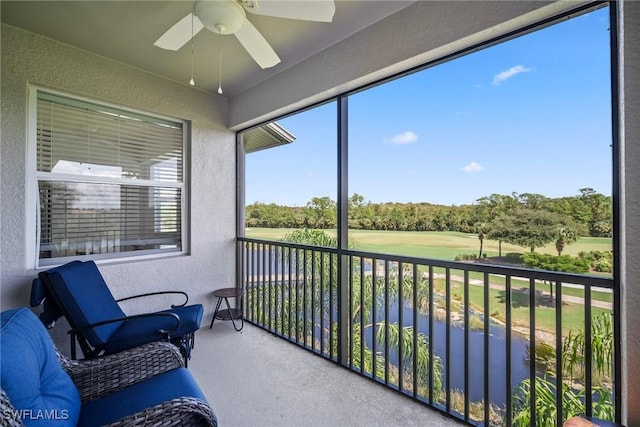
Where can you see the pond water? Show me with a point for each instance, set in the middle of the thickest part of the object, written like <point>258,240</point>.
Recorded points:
<point>498,375</point>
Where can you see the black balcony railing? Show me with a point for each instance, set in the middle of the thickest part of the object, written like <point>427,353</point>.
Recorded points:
<point>469,339</point>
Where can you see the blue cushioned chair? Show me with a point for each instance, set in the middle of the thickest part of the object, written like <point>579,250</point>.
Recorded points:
<point>78,291</point>
<point>144,386</point>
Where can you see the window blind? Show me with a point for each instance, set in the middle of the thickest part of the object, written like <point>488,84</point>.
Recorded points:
<point>110,181</point>
<point>83,133</point>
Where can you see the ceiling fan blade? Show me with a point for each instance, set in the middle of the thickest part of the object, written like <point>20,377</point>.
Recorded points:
<point>256,45</point>
<point>180,33</point>
<point>306,10</point>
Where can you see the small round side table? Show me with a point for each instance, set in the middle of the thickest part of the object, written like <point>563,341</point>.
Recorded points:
<point>228,313</point>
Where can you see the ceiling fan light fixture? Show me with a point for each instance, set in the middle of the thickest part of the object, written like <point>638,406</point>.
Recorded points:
<point>222,17</point>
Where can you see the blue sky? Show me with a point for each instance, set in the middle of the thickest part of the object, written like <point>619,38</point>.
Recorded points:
<point>529,115</point>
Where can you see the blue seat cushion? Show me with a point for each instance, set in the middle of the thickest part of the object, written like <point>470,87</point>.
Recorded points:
<point>40,296</point>
<point>146,394</point>
<point>31,375</point>
<point>81,290</point>
<point>190,318</point>
<point>142,330</point>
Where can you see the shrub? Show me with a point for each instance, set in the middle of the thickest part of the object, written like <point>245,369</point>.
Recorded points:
<point>514,257</point>
<point>603,266</point>
<point>600,261</point>
<point>549,262</point>
<point>466,257</point>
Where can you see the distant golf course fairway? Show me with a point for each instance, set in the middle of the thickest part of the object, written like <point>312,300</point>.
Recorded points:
<point>446,245</point>
<point>434,244</point>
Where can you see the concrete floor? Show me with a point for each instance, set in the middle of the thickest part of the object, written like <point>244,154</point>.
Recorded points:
<point>252,378</point>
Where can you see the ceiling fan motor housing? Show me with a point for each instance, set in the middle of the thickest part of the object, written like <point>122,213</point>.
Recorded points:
<point>229,17</point>
<point>223,17</point>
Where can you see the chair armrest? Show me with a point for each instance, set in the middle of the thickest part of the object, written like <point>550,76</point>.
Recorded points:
<point>166,332</point>
<point>103,375</point>
<point>183,412</point>
<point>186,297</point>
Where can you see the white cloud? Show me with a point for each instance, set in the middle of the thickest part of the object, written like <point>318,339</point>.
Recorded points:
<point>507,74</point>
<point>472,167</point>
<point>403,138</point>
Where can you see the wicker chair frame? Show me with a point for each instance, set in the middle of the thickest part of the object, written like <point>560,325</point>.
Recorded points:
<point>7,410</point>
<point>98,377</point>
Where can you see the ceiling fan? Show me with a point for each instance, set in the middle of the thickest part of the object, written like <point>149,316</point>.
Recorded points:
<point>228,17</point>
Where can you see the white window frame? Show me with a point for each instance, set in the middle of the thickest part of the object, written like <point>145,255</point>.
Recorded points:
<point>32,176</point>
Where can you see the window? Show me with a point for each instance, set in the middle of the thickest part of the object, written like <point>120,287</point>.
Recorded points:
<point>445,161</point>
<point>110,181</point>
<point>441,159</point>
<point>291,175</point>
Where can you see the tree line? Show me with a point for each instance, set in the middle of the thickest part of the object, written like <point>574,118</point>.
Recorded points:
<point>586,214</point>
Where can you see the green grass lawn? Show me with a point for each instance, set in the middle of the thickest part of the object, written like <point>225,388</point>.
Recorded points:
<point>434,244</point>
<point>572,313</point>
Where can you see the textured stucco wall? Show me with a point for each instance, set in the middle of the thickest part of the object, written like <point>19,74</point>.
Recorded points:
<point>630,136</point>
<point>29,58</point>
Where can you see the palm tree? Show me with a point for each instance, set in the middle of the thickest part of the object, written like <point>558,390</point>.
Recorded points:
<point>367,297</point>
<point>481,227</point>
<point>364,324</point>
<point>573,362</point>
<point>560,245</point>
<point>566,235</point>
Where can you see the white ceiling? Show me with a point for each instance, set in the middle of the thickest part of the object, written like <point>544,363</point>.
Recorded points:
<point>125,31</point>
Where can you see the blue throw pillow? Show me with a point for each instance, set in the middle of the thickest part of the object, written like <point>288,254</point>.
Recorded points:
<point>39,389</point>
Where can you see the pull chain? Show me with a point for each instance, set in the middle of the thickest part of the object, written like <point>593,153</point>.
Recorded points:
<point>192,82</point>
<point>220,63</point>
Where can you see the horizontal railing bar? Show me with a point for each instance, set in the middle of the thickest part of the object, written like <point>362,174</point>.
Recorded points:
<point>289,244</point>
